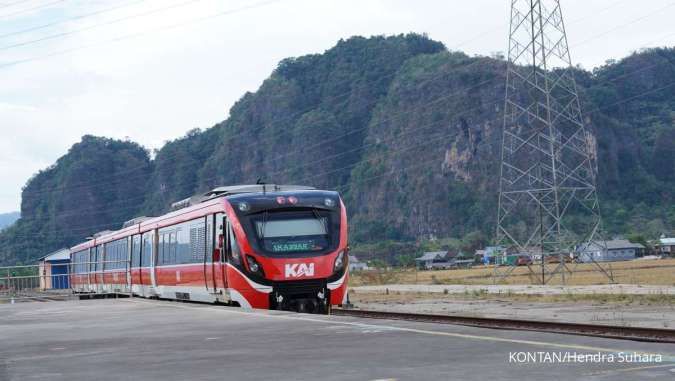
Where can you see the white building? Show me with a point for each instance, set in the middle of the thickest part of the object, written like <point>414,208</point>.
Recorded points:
<point>356,265</point>
<point>666,246</point>
<point>54,270</point>
<point>614,250</point>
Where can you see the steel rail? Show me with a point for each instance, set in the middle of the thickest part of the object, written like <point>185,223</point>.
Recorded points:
<point>654,335</point>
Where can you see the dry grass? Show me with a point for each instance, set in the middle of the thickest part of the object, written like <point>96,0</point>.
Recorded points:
<point>647,272</point>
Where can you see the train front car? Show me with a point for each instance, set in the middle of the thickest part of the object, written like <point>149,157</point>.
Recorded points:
<point>287,250</point>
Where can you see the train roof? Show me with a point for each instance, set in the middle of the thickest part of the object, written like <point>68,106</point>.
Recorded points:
<point>256,188</point>
<point>212,201</point>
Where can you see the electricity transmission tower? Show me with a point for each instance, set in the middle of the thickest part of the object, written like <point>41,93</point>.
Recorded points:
<point>548,204</point>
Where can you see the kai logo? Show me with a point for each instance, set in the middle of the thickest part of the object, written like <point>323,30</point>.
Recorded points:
<point>295,270</point>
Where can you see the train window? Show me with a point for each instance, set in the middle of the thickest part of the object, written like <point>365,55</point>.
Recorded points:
<point>115,255</point>
<point>109,258</point>
<point>174,246</point>
<point>167,248</point>
<point>92,259</point>
<point>136,251</point>
<point>146,251</point>
<point>160,250</point>
<point>183,253</point>
<point>79,265</point>
<point>233,248</point>
<point>293,232</point>
<point>82,259</point>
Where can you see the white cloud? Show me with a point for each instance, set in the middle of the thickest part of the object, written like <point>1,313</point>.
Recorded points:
<point>158,85</point>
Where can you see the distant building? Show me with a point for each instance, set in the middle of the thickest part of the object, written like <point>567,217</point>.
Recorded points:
<point>356,265</point>
<point>614,250</point>
<point>488,254</point>
<point>666,246</point>
<point>54,270</point>
<point>441,260</point>
<point>432,259</point>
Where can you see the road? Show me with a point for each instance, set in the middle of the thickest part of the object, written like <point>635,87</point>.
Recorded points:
<point>138,339</point>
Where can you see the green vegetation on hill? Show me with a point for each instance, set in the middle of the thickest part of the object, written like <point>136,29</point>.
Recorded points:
<point>407,131</point>
<point>7,219</point>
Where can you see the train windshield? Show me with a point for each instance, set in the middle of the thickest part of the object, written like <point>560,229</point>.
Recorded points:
<point>296,232</point>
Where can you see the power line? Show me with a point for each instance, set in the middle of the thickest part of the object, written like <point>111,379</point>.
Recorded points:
<point>633,21</point>
<point>232,137</point>
<point>479,145</point>
<point>266,137</point>
<point>310,108</point>
<point>140,34</point>
<point>143,167</point>
<point>95,26</point>
<point>79,17</point>
<point>389,119</point>
<point>5,5</point>
<point>10,15</point>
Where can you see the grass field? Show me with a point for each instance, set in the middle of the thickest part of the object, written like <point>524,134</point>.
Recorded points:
<point>644,272</point>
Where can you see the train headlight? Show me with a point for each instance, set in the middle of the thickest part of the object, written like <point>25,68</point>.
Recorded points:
<point>329,202</point>
<point>244,206</point>
<point>339,261</point>
<point>253,265</point>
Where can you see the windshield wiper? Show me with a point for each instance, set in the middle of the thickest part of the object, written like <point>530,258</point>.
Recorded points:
<point>321,220</point>
<point>264,222</point>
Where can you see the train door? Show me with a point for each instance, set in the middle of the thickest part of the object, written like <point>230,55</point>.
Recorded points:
<point>88,265</point>
<point>221,250</point>
<point>100,267</point>
<point>146,250</point>
<point>129,261</point>
<point>95,253</point>
<point>214,260</point>
<point>153,261</point>
<point>145,262</point>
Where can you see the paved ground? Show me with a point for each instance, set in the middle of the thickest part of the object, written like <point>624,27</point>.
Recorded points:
<point>158,340</point>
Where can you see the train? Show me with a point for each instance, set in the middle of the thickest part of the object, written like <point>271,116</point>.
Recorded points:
<point>262,246</point>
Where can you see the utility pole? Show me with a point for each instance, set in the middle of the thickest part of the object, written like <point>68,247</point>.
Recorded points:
<point>547,195</point>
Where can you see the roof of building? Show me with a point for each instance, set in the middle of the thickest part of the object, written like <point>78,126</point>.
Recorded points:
<point>353,259</point>
<point>431,255</point>
<point>617,244</point>
<point>57,255</point>
<point>667,241</point>
<point>623,244</point>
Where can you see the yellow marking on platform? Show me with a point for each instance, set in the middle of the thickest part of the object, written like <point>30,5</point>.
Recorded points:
<point>265,313</point>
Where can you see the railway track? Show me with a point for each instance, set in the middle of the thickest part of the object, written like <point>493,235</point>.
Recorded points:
<point>655,335</point>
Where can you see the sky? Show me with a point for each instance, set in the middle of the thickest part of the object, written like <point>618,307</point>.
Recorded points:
<point>150,70</point>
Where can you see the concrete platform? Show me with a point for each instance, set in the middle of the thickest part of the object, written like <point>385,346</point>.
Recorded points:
<point>534,289</point>
<point>136,339</point>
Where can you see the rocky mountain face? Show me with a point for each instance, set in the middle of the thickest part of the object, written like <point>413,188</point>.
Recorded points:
<point>407,131</point>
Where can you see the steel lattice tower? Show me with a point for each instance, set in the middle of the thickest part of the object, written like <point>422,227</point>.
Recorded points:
<point>548,203</point>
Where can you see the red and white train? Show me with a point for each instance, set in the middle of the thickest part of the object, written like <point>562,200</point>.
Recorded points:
<point>256,246</point>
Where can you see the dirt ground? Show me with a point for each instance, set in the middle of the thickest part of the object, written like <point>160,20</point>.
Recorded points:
<point>643,310</point>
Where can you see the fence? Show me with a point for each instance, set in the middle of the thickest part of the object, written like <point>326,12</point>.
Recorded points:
<point>52,281</point>
<point>642,272</point>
